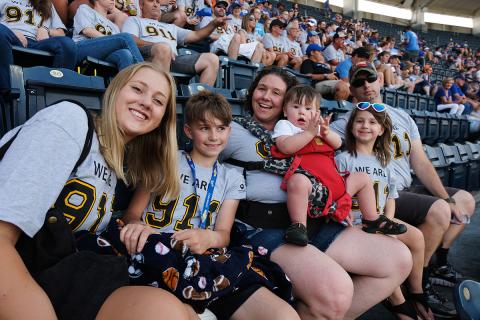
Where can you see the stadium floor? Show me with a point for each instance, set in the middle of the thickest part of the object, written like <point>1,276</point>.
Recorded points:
<point>464,256</point>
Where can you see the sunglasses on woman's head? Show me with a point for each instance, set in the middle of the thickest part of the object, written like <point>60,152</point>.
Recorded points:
<point>378,107</point>
<point>251,18</point>
<point>357,83</point>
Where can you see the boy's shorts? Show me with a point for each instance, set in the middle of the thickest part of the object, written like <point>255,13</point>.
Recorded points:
<point>412,204</point>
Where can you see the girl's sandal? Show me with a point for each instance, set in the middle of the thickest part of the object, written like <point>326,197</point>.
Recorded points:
<point>383,225</point>
<point>404,308</point>
<point>421,299</point>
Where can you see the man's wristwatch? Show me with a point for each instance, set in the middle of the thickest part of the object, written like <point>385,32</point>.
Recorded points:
<point>450,200</point>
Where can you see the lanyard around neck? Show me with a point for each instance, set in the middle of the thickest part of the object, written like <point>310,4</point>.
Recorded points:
<point>210,188</point>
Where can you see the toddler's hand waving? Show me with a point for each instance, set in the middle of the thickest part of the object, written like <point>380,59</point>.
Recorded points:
<point>324,125</point>
<point>312,123</point>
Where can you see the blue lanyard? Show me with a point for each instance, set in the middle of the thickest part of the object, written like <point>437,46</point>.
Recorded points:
<point>209,195</point>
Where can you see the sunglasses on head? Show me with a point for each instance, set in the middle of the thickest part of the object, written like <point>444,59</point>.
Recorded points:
<point>251,18</point>
<point>357,83</point>
<point>378,107</point>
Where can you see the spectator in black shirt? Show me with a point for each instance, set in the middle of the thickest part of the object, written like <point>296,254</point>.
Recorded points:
<point>325,81</point>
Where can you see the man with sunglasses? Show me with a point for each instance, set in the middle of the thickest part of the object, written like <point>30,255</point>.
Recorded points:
<point>440,212</point>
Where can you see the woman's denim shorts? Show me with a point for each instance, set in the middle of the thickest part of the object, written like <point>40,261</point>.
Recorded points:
<point>271,239</point>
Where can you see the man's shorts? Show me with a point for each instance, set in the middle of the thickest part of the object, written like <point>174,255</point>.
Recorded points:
<point>412,204</point>
<point>326,87</point>
<point>182,64</point>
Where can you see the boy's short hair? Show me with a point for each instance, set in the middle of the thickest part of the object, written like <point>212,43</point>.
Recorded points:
<point>301,92</point>
<point>206,103</point>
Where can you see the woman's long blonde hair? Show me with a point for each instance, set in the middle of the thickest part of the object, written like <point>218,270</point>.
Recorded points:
<point>152,157</point>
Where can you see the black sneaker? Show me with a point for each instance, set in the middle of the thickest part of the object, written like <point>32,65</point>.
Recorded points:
<point>297,234</point>
<point>446,276</point>
<point>441,307</point>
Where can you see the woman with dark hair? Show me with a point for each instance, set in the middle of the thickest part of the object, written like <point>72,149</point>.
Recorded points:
<point>100,38</point>
<point>320,271</point>
<point>36,25</point>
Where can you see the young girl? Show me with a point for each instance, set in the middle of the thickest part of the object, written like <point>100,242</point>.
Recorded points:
<point>37,172</point>
<point>97,36</point>
<point>36,25</point>
<point>181,231</point>
<point>306,135</point>
<point>368,138</point>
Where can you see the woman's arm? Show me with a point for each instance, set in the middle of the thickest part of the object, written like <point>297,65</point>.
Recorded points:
<point>92,33</point>
<point>135,232</point>
<point>16,284</point>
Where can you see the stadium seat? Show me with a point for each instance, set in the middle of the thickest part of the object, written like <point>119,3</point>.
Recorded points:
<point>435,155</point>
<point>182,139</point>
<point>473,178</point>
<point>473,150</point>
<point>422,102</point>
<point>329,106</point>
<point>455,123</point>
<point>91,66</point>
<point>444,124</point>
<point>39,87</point>
<point>238,75</point>
<point>433,127</point>
<point>466,296</point>
<point>390,97</point>
<point>235,103</point>
<point>401,101</point>
<point>464,128</point>
<point>431,105</point>
<point>301,78</point>
<point>27,57</point>
<point>420,119</point>
<point>458,170</point>
<point>412,101</point>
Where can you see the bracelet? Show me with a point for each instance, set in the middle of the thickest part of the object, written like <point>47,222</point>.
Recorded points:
<point>46,28</point>
<point>450,200</point>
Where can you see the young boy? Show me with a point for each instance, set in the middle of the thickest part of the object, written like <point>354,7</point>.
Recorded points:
<point>180,244</point>
<point>306,136</point>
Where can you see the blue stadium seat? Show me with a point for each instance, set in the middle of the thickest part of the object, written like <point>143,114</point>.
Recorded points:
<point>464,128</point>
<point>431,105</point>
<point>444,124</point>
<point>390,97</point>
<point>473,150</point>
<point>473,178</point>
<point>182,139</point>
<point>435,155</point>
<point>455,123</point>
<point>238,74</point>
<point>91,66</point>
<point>401,101</point>
<point>422,102</point>
<point>39,87</point>
<point>236,103</point>
<point>466,296</point>
<point>27,57</point>
<point>433,127</point>
<point>458,170</point>
<point>420,119</point>
<point>301,78</point>
<point>412,101</point>
<point>329,106</point>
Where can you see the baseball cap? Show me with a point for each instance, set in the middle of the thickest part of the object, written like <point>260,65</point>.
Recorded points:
<point>459,76</point>
<point>312,34</point>
<point>339,35</point>
<point>278,23</point>
<point>313,47</point>
<point>260,1</point>
<point>362,67</point>
<point>221,2</point>
<point>361,52</point>
<point>312,22</point>
<point>235,5</point>
<point>204,12</point>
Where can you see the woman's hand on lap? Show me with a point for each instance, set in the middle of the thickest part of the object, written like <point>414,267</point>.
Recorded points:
<point>197,240</point>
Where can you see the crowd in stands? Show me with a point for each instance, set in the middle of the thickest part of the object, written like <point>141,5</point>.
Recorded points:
<point>334,269</point>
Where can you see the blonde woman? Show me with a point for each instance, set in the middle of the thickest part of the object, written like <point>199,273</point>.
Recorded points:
<point>37,168</point>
